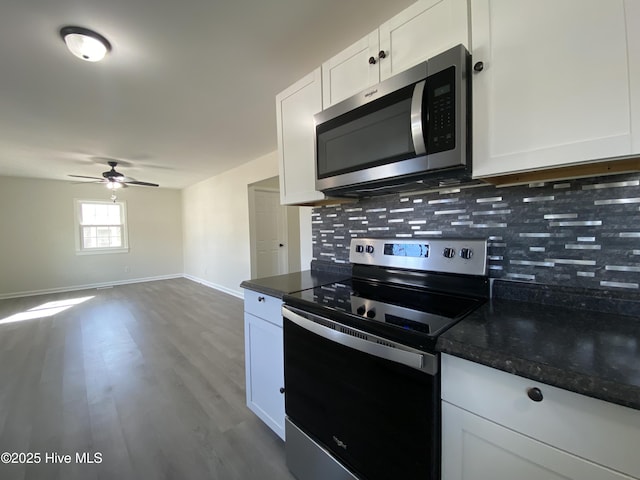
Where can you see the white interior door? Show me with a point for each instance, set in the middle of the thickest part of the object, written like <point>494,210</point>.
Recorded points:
<point>271,234</point>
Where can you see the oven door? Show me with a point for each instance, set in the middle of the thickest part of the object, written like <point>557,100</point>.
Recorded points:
<point>370,404</point>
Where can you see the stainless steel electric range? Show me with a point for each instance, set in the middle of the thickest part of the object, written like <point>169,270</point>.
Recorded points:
<point>362,381</point>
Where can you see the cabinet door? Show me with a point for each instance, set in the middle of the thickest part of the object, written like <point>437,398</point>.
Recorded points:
<point>632,13</point>
<point>555,85</point>
<point>295,108</point>
<point>476,449</point>
<point>423,30</point>
<point>350,71</point>
<point>264,368</point>
<point>603,432</point>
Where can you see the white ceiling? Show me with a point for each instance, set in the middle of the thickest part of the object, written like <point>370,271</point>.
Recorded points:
<point>187,92</point>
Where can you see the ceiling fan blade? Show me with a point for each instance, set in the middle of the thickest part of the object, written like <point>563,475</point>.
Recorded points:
<point>86,183</point>
<point>144,184</point>
<point>84,176</point>
<point>123,179</point>
<point>114,177</point>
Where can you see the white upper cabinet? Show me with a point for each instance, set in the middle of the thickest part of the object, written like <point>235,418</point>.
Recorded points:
<point>426,28</point>
<point>351,71</point>
<point>295,108</point>
<point>557,87</point>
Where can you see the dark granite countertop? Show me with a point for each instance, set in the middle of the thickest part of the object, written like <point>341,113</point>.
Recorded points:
<point>280,285</point>
<point>591,352</point>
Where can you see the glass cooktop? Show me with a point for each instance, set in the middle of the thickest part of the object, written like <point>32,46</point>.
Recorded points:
<point>411,315</point>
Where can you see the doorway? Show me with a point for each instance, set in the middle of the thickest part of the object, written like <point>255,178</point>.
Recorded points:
<point>274,231</point>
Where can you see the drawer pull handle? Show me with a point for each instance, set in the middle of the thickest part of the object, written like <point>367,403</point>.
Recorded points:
<point>261,299</point>
<point>535,394</point>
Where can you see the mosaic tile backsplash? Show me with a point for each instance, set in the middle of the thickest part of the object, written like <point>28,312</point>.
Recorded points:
<point>583,233</point>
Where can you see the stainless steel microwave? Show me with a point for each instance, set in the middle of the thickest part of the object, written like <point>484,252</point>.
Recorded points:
<point>410,131</point>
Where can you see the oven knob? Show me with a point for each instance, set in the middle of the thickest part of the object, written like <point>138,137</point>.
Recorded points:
<point>360,310</point>
<point>371,313</point>
<point>449,252</point>
<point>466,253</point>
<point>369,248</point>
<point>359,249</point>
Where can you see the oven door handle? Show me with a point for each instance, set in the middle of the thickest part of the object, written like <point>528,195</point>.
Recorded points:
<point>364,342</point>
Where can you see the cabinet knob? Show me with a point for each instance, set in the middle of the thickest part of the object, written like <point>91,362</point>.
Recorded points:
<point>372,60</point>
<point>382,54</point>
<point>479,66</point>
<point>281,244</point>
<point>535,394</point>
<point>281,389</point>
<point>261,299</point>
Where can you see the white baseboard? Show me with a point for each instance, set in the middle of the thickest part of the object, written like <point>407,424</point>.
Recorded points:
<point>235,293</point>
<point>89,286</point>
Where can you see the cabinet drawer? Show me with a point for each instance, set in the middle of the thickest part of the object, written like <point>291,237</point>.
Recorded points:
<point>263,306</point>
<point>602,432</point>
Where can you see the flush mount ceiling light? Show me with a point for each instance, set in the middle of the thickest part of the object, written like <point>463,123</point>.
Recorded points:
<point>85,44</point>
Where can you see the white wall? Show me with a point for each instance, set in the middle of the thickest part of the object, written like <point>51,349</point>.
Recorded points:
<point>215,216</point>
<point>37,236</point>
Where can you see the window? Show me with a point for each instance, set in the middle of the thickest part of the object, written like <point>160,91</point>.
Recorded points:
<point>101,227</point>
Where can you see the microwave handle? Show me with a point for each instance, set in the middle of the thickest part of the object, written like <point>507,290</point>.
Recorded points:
<point>416,118</point>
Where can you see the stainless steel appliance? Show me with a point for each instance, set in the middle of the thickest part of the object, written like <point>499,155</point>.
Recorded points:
<point>362,381</point>
<point>410,130</point>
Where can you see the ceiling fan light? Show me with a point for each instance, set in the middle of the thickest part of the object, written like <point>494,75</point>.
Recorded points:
<point>113,185</point>
<point>85,44</point>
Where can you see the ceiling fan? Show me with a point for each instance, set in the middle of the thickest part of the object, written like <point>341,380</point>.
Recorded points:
<point>114,179</point>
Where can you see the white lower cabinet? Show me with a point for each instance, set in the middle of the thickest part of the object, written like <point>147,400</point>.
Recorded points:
<point>474,448</point>
<point>264,363</point>
<point>493,430</point>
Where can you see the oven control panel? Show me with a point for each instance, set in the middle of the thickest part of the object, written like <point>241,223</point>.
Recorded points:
<point>443,255</point>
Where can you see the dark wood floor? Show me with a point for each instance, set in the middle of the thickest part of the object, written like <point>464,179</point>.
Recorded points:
<point>149,375</point>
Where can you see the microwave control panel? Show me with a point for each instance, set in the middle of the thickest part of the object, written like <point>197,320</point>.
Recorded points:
<point>441,108</point>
